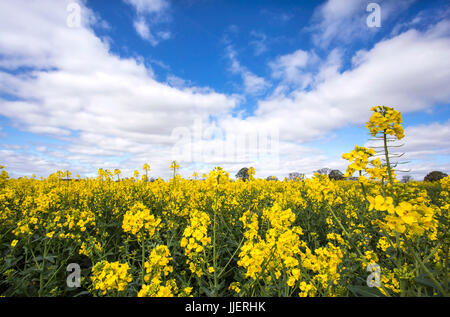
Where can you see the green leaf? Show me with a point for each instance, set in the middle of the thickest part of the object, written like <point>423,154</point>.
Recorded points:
<point>424,281</point>
<point>50,258</point>
<point>365,291</point>
<point>11,261</point>
<point>81,293</point>
<point>208,292</point>
<point>427,282</point>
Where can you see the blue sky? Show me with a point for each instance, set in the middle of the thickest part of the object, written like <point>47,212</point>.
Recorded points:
<point>115,84</point>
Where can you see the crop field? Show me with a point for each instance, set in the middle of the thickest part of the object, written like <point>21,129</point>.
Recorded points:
<point>216,236</point>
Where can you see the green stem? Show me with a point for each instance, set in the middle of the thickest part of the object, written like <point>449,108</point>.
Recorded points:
<point>433,251</point>
<point>445,265</point>
<point>214,247</point>
<point>363,187</point>
<point>231,258</point>
<point>41,275</point>
<point>345,231</point>
<point>58,270</point>
<point>143,262</point>
<point>429,274</point>
<point>386,153</point>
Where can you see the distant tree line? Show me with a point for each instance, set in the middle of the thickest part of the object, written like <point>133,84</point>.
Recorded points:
<point>335,174</point>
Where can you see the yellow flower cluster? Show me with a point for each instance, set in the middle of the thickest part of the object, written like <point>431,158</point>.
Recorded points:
<point>445,183</point>
<point>88,247</point>
<point>157,268</point>
<point>338,238</point>
<point>383,244</point>
<point>359,158</point>
<point>108,276</point>
<point>158,289</point>
<point>325,263</point>
<point>101,174</point>
<point>307,290</point>
<point>388,282</point>
<point>235,286</point>
<point>278,252</point>
<point>3,175</point>
<point>218,178</point>
<point>380,203</point>
<point>158,263</point>
<point>321,189</point>
<point>387,120</point>
<point>140,222</point>
<point>415,219</point>
<point>378,172</point>
<point>444,196</point>
<point>251,173</point>
<point>174,165</point>
<point>195,239</point>
<point>412,219</point>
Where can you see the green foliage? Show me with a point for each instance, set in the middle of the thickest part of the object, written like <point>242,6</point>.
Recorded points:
<point>434,176</point>
<point>243,174</point>
<point>336,175</point>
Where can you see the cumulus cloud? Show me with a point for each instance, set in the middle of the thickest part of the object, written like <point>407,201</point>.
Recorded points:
<point>422,150</point>
<point>109,111</point>
<point>421,142</point>
<point>102,104</point>
<point>292,68</point>
<point>409,72</point>
<point>427,140</point>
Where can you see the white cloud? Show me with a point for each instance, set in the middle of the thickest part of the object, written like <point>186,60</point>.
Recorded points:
<point>164,35</point>
<point>149,12</point>
<point>303,70</point>
<point>422,19</point>
<point>253,84</point>
<point>427,140</point>
<point>336,20</point>
<point>178,82</point>
<point>330,68</point>
<point>142,29</point>
<point>102,105</point>
<point>408,72</point>
<point>291,68</point>
<point>339,22</point>
<point>258,42</point>
<point>112,112</point>
<point>421,151</point>
<point>148,6</point>
<point>422,141</point>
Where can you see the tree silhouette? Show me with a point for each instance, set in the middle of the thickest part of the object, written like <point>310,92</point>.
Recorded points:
<point>243,174</point>
<point>336,175</point>
<point>434,176</point>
